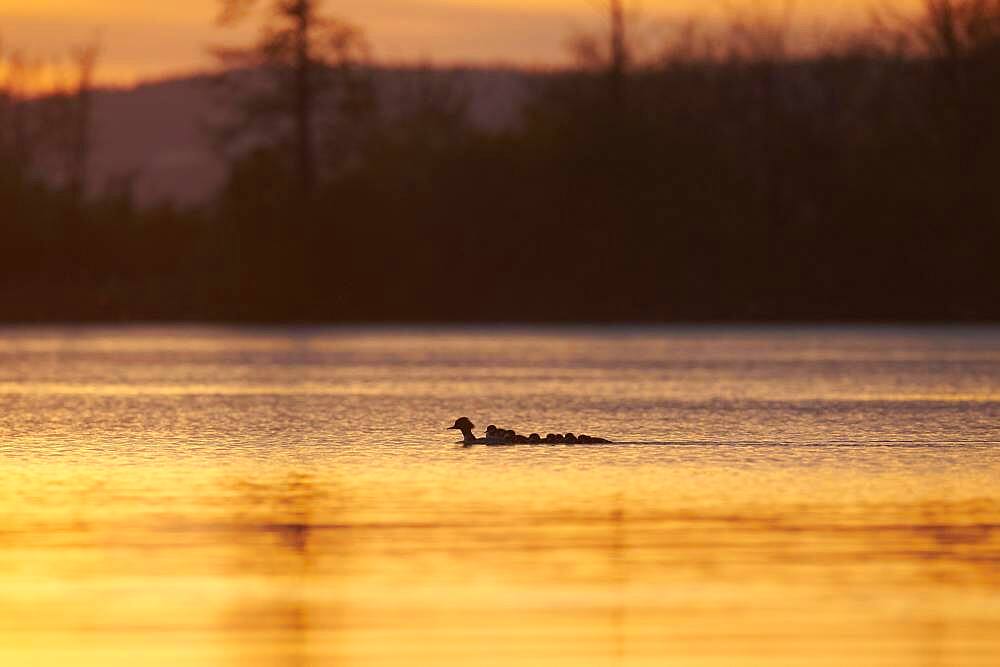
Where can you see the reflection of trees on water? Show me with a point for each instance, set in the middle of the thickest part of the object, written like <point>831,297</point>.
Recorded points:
<point>277,615</point>
<point>618,577</point>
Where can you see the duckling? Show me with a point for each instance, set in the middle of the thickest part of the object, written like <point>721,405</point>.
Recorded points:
<point>569,439</point>
<point>534,438</point>
<point>499,436</point>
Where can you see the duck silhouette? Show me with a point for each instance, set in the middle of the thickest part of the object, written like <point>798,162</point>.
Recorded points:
<point>500,436</point>
<point>494,435</point>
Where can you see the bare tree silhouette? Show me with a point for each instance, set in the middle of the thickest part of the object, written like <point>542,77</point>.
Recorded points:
<point>81,123</point>
<point>301,47</point>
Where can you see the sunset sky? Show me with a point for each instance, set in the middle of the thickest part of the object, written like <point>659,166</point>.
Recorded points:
<point>144,39</point>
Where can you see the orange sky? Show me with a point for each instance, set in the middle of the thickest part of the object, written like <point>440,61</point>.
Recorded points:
<point>152,38</point>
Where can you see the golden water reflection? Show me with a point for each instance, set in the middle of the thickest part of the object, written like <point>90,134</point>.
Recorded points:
<point>370,566</point>
<point>280,497</point>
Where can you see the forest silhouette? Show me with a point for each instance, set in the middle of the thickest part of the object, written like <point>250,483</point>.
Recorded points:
<point>725,179</point>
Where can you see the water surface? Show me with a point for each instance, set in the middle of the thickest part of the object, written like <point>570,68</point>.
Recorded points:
<point>265,497</point>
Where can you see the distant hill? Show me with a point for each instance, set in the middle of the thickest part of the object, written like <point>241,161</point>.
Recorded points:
<point>157,134</point>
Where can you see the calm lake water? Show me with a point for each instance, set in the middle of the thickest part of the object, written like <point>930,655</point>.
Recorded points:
<point>245,497</point>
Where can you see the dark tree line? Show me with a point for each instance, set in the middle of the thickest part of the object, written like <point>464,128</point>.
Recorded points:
<point>731,182</point>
